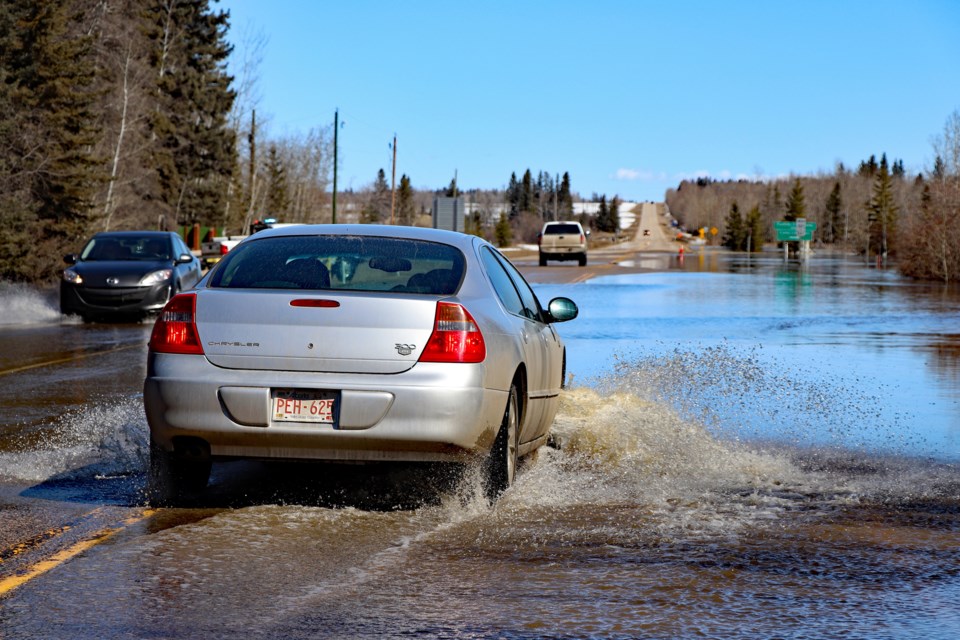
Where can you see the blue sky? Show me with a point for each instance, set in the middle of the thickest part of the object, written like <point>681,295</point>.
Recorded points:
<point>628,97</point>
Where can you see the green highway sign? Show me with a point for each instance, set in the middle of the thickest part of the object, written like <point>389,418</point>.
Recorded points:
<point>794,231</point>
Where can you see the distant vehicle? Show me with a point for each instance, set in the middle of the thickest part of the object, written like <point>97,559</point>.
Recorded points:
<point>562,241</point>
<point>126,273</point>
<point>359,343</point>
<point>213,250</point>
<point>646,232</point>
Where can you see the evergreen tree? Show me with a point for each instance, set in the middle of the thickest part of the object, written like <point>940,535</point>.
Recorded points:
<point>526,193</point>
<point>605,220</point>
<point>897,171</point>
<point>939,169</point>
<point>565,198</point>
<point>17,213</point>
<point>796,208</point>
<point>869,168</point>
<point>377,210</point>
<point>56,95</point>
<point>405,210</point>
<point>754,230</point>
<point>772,204</point>
<point>278,198</point>
<point>831,231</point>
<point>614,214</point>
<point>513,195</point>
<point>735,235</point>
<point>49,169</point>
<point>452,191</point>
<point>503,232</point>
<point>195,154</point>
<point>882,211</point>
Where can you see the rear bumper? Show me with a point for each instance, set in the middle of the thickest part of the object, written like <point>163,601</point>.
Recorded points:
<point>433,412</point>
<point>563,253</point>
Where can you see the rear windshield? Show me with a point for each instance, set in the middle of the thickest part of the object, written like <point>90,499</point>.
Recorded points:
<point>347,263</point>
<point>556,229</point>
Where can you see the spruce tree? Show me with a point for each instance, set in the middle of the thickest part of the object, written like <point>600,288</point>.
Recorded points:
<point>513,195</point>
<point>278,197</point>
<point>565,198</point>
<point>605,220</point>
<point>503,233</point>
<point>17,213</point>
<point>796,208</point>
<point>381,197</point>
<point>831,231</point>
<point>195,151</point>
<point>405,207</point>
<point>754,230</point>
<point>526,193</point>
<point>614,214</point>
<point>734,237</point>
<point>55,95</point>
<point>882,210</point>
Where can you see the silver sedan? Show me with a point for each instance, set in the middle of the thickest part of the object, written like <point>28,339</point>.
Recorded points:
<point>353,343</point>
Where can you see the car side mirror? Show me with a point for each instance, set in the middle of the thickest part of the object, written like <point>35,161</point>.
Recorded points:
<point>70,258</point>
<point>562,309</point>
<point>185,258</point>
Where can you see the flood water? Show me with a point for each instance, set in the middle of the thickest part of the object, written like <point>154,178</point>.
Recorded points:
<point>747,449</point>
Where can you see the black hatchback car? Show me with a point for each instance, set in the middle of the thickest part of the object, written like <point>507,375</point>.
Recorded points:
<point>126,273</point>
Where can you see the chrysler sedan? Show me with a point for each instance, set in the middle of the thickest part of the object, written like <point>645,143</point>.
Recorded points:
<point>359,343</point>
<point>126,274</point>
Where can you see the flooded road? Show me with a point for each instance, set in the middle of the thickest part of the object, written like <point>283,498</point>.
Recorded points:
<point>747,450</point>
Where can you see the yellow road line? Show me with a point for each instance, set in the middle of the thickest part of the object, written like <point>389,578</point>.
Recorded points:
<point>81,356</point>
<point>9,584</point>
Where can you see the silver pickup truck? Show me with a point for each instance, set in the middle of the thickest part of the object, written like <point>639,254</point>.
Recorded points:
<point>562,241</point>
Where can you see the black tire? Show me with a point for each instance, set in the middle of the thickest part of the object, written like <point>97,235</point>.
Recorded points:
<point>583,260</point>
<point>175,478</point>
<point>543,260</point>
<point>501,465</point>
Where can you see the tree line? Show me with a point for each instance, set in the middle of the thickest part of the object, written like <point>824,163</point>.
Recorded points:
<point>113,114</point>
<point>875,210</point>
<point>121,114</point>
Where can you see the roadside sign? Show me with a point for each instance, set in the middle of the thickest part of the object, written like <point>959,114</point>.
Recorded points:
<point>794,231</point>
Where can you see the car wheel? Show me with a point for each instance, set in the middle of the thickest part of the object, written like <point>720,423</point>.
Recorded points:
<point>583,260</point>
<point>543,261</point>
<point>173,477</point>
<point>501,467</point>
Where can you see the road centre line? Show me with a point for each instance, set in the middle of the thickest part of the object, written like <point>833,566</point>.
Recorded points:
<point>9,584</point>
<point>81,356</point>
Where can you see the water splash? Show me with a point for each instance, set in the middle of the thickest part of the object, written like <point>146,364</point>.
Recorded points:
<point>743,393</point>
<point>105,438</point>
<point>25,305</point>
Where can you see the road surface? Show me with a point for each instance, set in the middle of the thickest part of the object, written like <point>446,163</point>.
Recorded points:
<point>73,390</point>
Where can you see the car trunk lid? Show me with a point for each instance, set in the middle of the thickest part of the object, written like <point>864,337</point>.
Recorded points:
<point>320,331</point>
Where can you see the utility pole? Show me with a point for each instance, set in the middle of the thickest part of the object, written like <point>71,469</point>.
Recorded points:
<point>393,180</point>
<point>336,126</point>
<point>251,172</point>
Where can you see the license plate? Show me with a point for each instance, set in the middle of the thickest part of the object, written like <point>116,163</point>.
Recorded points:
<point>303,405</point>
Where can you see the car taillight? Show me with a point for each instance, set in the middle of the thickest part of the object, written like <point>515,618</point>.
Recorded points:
<point>456,337</point>
<point>176,328</point>
<point>224,249</point>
